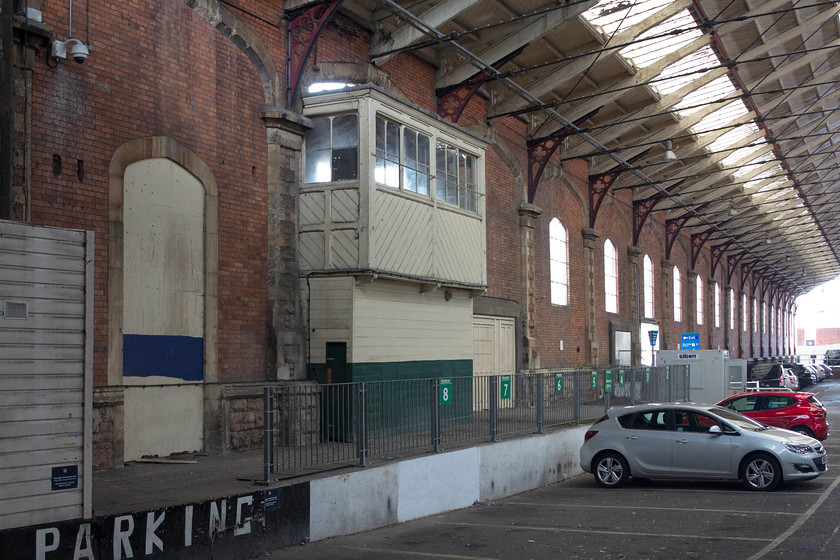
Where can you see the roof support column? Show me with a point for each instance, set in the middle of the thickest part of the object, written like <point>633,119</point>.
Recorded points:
<point>636,306</point>
<point>528,214</point>
<point>590,250</point>
<point>666,295</point>
<point>287,343</point>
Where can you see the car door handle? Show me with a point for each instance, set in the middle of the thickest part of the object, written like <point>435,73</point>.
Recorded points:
<point>682,441</point>
<point>632,437</point>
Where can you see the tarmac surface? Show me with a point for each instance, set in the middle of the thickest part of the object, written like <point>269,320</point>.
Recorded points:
<point>577,519</point>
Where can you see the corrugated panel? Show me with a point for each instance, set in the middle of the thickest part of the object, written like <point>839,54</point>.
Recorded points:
<point>42,371</point>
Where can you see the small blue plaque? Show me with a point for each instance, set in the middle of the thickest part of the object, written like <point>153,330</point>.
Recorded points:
<point>65,478</point>
<point>271,499</point>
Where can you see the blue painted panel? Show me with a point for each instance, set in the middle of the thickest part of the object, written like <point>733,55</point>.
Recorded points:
<point>181,357</point>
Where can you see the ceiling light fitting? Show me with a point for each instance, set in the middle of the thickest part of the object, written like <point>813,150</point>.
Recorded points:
<point>669,156</point>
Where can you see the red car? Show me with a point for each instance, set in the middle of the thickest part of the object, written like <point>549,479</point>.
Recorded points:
<point>800,412</point>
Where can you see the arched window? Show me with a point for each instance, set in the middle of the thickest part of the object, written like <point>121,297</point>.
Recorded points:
<point>677,295</point>
<point>755,315</point>
<point>648,287</point>
<point>731,309</point>
<point>558,249</point>
<point>744,312</point>
<point>610,277</point>
<point>699,301</point>
<point>717,305</point>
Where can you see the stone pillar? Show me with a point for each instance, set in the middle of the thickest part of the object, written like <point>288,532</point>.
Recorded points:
<point>727,333</point>
<point>287,345</point>
<point>667,299</point>
<point>691,309</point>
<point>528,214</point>
<point>740,322</point>
<point>762,326</point>
<point>590,250</point>
<point>636,305</point>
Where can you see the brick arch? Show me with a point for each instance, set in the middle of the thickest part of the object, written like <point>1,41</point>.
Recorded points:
<point>132,152</point>
<point>224,21</point>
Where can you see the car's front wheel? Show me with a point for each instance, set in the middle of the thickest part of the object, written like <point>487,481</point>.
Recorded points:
<point>804,430</point>
<point>611,470</point>
<point>761,472</point>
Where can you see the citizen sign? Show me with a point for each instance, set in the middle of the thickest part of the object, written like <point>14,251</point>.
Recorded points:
<point>688,356</point>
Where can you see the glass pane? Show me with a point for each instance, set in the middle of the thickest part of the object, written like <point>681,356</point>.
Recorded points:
<point>345,131</point>
<point>318,166</point>
<point>423,150</point>
<point>393,141</point>
<point>392,174</point>
<point>423,184</point>
<point>345,162</point>
<point>318,138</point>
<point>379,171</point>
<point>409,180</point>
<point>380,136</point>
<point>410,145</point>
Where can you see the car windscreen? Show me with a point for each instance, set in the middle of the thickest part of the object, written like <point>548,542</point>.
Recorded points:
<point>738,420</point>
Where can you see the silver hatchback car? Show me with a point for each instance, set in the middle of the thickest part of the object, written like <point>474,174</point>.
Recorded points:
<point>683,440</point>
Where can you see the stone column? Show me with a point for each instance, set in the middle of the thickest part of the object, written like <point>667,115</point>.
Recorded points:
<point>287,345</point>
<point>762,345</point>
<point>667,299</point>
<point>636,305</point>
<point>528,214</point>
<point>739,319</point>
<point>590,246</point>
<point>691,308</point>
<point>727,334</point>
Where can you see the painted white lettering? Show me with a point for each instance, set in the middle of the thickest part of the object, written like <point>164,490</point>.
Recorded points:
<point>41,545</point>
<point>83,546</point>
<point>217,522</point>
<point>188,514</point>
<point>152,539</point>
<point>243,527</point>
<point>121,535</point>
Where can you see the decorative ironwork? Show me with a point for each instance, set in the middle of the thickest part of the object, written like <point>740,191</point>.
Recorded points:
<point>717,253</point>
<point>453,100</point>
<point>746,270</point>
<point>540,151</point>
<point>732,263</point>
<point>672,231</point>
<point>302,31</point>
<point>643,208</point>
<point>697,242</point>
<point>599,186</point>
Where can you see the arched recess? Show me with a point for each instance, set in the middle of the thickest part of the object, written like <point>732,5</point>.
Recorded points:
<point>224,21</point>
<point>168,184</point>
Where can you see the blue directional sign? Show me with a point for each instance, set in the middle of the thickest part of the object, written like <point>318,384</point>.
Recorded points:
<point>653,336</point>
<point>690,341</point>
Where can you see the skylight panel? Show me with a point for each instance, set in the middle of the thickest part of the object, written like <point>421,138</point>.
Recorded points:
<point>715,90</point>
<point>611,15</point>
<point>685,70</point>
<point>646,50</point>
<point>723,117</point>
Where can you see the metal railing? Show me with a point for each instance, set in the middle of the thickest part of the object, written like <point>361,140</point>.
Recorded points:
<point>311,427</point>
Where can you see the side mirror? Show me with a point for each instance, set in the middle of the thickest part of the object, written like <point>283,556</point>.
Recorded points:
<point>715,430</point>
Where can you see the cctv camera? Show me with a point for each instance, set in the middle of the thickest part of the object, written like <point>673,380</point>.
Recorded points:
<point>79,52</point>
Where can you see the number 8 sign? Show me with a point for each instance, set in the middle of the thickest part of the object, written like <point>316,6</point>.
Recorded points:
<point>445,391</point>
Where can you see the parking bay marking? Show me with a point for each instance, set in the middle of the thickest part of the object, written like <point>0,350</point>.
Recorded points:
<point>707,510</point>
<point>589,531</point>
<point>799,522</point>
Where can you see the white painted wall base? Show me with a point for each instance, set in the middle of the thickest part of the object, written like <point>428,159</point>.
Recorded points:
<point>398,492</point>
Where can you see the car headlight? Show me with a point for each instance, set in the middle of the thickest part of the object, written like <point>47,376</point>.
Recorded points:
<point>801,449</point>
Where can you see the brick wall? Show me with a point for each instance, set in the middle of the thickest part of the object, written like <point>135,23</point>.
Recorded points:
<point>158,69</point>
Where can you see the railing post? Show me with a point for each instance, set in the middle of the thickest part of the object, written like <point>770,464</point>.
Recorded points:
<point>577,396</point>
<point>494,407</point>
<point>361,424</point>
<point>539,379</point>
<point>268,435</point>
<point>606,392</point>
<point>434,414</point>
